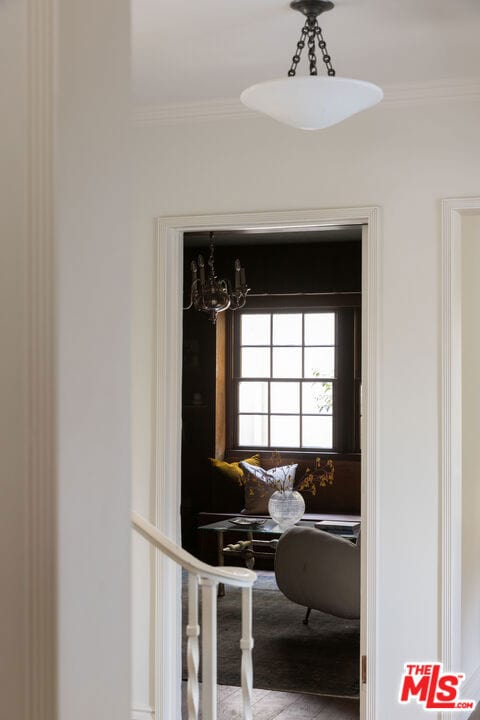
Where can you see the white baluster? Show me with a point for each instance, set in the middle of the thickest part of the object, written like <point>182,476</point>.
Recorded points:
<point>208,578</point>
<point>209,649</point>
<point>193,633</point>
<point>246,645</point>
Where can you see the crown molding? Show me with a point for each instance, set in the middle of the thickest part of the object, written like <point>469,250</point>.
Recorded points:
<point>211,109</point>
<point>413,93</point>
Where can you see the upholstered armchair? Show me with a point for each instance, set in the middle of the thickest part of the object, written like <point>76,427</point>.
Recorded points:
<point>320,571</point>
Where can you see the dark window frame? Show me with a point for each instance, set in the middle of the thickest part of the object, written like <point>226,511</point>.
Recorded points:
<point>346,422</point>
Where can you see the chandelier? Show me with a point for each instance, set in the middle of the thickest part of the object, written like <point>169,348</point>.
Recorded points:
<point>310,102</point>
<point>211,295</point>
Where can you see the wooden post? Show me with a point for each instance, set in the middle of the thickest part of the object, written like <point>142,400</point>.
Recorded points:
<point>193,633</point>
<point>209,649</point>
<point>246,645</point>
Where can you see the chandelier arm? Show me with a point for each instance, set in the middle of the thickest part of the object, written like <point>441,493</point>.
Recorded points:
<point>239,298</point>
<point>202,305</point>
<point>232,294</point>
<point>193,291</point>
<point>241,302</point>
<point>190,305</point>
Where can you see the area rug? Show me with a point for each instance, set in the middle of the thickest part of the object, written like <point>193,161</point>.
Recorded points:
<point>320,658</point>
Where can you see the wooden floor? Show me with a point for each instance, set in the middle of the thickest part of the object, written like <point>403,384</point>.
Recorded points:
<point>270,705</point>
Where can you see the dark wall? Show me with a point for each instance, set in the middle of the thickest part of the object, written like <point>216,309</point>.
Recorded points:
<point>277,269</point>
<point>198,419</point>
<point>272,269</point>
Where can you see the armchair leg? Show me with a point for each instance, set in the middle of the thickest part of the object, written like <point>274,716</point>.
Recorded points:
<point>307,615</point>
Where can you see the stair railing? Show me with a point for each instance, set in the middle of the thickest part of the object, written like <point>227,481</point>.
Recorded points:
<point>207,578</point>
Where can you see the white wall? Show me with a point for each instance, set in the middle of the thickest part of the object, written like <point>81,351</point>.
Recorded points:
<point>93,356</point>
<point>65,429</point>
<point>470,244</point>
<point>404,159</point>
<point>13,438</point>
<point>143,499</point>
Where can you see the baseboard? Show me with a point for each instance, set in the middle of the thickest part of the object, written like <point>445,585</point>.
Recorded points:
<point>145,713</point>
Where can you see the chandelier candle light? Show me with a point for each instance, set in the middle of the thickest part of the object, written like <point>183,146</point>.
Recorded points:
<point>211,295</point>
<point>310,102</point>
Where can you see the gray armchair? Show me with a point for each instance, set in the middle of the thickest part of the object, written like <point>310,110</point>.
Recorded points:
<point>320,571</point>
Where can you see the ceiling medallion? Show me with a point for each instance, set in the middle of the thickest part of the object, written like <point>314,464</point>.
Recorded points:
<point>310,102</point>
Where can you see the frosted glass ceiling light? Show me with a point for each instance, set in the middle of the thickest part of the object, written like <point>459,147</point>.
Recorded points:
<point>311,102</point>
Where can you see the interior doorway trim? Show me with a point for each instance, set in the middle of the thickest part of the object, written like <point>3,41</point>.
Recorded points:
<point>167,425</point>
<point>451,432</point>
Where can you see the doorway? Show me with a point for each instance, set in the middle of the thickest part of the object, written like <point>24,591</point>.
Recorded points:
<point>168,419</point>
<point>276,383</point>
<point>459,421</point>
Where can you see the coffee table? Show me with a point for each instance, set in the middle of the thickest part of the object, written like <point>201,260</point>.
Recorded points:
<point>253,547</point>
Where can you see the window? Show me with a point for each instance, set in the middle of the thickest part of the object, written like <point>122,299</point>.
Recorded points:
<point>295,379</point>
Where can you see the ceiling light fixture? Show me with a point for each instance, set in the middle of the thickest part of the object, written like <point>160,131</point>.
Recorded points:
<point>311,102</point>
<point>211,295</point>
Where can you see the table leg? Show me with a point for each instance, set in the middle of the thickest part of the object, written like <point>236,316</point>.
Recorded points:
<point>221,586</point>
<point>250,554</point>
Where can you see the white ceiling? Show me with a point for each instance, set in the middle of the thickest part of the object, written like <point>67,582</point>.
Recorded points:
<point>194,51</point>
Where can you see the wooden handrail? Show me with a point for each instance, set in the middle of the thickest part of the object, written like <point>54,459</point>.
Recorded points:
<point>208,578</point>
<point>236,576</point>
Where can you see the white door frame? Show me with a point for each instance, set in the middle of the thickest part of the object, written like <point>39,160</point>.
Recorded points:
<point>451,439</point>
<point>167,425</point>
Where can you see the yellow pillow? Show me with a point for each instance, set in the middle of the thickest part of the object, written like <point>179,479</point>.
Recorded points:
<point>233,471</point>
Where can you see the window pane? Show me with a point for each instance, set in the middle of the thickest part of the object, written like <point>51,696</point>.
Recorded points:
<point>317,432</point>
<point>317,398</point>
<point>287,362</point>
<point>284,431</point>
<point>285,397</point>
<point>287,329</point>
<point>255,329</point>
<point>253,397</point>
<point>255,362</point>
<point>320,329</point>
<point>253,430</point>
<point>320,362</point>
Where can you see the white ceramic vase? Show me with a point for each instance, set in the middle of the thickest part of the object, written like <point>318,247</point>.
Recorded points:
<point>286,507</point>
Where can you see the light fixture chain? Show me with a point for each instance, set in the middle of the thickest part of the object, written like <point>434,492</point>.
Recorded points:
<point>298,51</point>
<point>312,56</point>
<point>323,47</point>
<point>311,31</point>
<point>211,262</point>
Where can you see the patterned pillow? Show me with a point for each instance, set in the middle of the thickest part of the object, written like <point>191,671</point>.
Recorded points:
<point>227,493</point>
<point>233,471</point>
<point>260,485</point>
